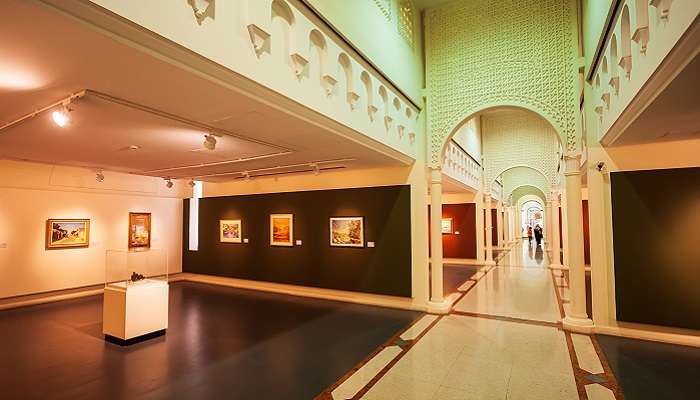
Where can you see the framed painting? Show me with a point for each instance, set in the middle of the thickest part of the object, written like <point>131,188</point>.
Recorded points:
<point>230,231</point>
<point>67,233</point>
<point>139,230</point>
<point>282,229</point>
<point>447,225</point>
<point>347,231</point>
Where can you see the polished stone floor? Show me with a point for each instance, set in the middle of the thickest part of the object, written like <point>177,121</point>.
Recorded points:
<point>222,343</point>
<point>501,341</point>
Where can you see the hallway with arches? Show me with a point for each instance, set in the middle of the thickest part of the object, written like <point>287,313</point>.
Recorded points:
<point>502,339</point>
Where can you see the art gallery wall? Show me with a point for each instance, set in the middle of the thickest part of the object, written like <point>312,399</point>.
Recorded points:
<point>382,266</point>
<point>657,256</point>
<point>413,175</point>
<point>32,193</point>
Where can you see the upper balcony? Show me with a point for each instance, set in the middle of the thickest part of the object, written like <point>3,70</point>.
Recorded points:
<point>461,167</point>
<point>647,44</point>
<point>277,44</point>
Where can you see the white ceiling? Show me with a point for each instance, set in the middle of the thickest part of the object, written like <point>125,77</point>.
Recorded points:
<point>673,115</point>
<point>45,56</point>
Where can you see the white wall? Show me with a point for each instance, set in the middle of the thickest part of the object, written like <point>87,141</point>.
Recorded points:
<point>32,193</point>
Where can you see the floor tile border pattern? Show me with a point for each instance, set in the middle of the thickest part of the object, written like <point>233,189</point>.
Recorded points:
<point>395,340</point>
<point>581,376</point>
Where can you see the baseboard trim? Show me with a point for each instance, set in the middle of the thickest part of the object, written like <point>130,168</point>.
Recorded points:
<point>60,295</point>
<point>463,261</point>
<point>305,291</point>
<point>652,333</point>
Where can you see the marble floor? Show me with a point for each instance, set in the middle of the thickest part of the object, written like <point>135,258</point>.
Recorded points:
<point>501,340</point>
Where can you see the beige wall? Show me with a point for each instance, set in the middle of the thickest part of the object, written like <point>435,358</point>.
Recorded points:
<point>32,193</point>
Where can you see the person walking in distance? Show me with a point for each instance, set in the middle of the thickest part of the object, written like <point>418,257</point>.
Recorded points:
<point>529,234</point>
<point>538,234</point>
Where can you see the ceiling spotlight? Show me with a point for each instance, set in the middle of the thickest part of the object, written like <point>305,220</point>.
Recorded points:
<point>246,176</point>
<point>60,117</point>
<point>209,142</point>
<point>191,183</point>
<point>99,176</point>
<point>168,183</point>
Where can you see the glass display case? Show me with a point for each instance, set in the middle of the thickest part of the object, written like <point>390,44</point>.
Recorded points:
<point>128,267</point>
<point>135,296</point>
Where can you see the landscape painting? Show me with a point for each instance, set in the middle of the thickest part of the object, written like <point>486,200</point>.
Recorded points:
<point>282,229</point>
<point>447,225</point>
<point>230,231</point>
<point>347,231</point>
<point>139,230</point>
<point>67,233</point>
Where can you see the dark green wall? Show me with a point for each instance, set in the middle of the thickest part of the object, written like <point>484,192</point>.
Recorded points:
<point>656,233</point>
<point>384,269</point>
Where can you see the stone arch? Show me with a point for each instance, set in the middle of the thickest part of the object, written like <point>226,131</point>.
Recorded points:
<point>282,21</point>
<point>613,56</point>
<point>319,50</point>
<point>529,176</point>
<point>439,151</point>
<point>346,68</point>
<point>369,94</point>
<point>625,41</point>
<point>525,190</point>
<point>529,139</point>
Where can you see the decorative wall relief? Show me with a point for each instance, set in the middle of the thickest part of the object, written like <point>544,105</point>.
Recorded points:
<point>533,64</point>
<point>202,9</point>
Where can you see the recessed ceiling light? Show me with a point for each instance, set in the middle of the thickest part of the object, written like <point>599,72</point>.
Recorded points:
<point>134,147</point>
<point>99,176</point>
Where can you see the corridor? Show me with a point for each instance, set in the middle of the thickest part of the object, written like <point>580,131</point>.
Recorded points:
<point>501,340</point>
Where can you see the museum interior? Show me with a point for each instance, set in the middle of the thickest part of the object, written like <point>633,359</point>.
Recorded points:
<point>334,200</point>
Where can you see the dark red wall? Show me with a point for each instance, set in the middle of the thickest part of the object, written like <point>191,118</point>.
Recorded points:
<point>462,245</point>
<point>586,234</point>
<point>494,224</point>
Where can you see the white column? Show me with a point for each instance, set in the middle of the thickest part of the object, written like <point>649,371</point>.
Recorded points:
<point>547,225</point>
<point>437,301</point>
<point>576,318</point>
<point>479,202</point>
<point>556,240</point>
<point>488,230</point>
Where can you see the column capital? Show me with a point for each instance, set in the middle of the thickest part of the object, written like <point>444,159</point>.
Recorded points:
<point>572,164</point>
<point>435,175</point>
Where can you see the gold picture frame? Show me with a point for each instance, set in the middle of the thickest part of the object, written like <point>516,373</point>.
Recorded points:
<point>139,230</point>
<point>230,231</point>
<point>281,229</point>
<point>67,233</point>
<point>347,231</point>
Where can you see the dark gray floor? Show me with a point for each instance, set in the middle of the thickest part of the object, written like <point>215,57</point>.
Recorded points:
<point>650,370</point>
<point>455,275</point>
<point>222,343</point>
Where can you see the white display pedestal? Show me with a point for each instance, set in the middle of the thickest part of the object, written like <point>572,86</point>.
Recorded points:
<point>135,311</point>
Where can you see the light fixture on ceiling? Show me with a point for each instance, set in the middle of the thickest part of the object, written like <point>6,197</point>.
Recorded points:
<point>61,116</point>
<point>191,183</point>
<point>315,168</point>
<point>209,142</point>
<point>168,183</point>
<point>99,176</point>
<point>246,176</point>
